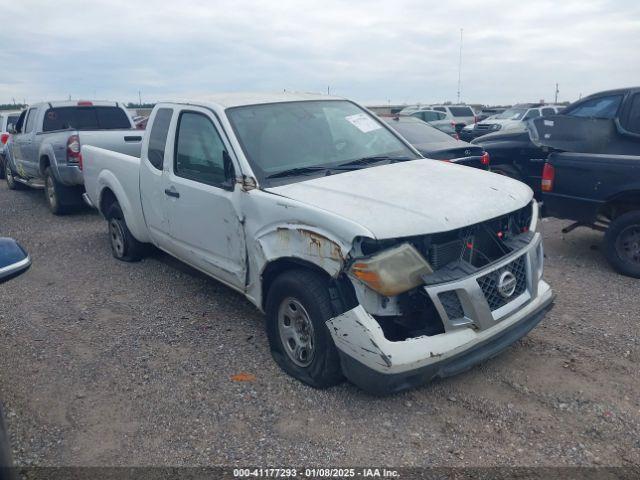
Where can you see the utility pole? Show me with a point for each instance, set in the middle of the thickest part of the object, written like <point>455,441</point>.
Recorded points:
<point>460,67</point>
<point>328,90</point>
<point>139,98</point>
<point>557,91</point>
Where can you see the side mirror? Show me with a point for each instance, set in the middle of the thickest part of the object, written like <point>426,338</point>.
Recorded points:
<point>11,128</point>
<point>14,260</point>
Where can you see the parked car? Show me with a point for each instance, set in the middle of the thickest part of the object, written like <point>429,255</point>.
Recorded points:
<point>514,155</point>
<point>459,114</point>
<point>437,145</point>
<point>489,112</point>
<point>7,120</point>
<point>438,120</point>
<point>511,120</point>
<point>592,175</point>
<point>369,261</point>
<point>44,149</point>
<point>14,261</point>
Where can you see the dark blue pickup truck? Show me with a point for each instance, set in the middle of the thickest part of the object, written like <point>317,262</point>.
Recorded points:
<point>592,175</point>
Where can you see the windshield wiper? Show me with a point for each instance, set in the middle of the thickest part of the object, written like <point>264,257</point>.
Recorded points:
<point>294,172</point>
<point>370,161</point>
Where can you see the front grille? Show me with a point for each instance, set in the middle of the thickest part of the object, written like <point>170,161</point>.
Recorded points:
<point>451,304</point>
<point>489,283</point>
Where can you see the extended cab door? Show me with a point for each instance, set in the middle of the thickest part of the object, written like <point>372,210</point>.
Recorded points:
<point>205,224</point>
<point>24,146</point>
<point>155,165</point>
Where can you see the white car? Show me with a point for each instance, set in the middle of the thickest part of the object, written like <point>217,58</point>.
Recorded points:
<point>457,113</point>
<point>8,119</point>
<point>369,261</point>
<point>513,119</point>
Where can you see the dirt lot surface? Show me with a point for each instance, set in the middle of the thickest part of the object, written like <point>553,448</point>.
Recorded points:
<point>108,363</point>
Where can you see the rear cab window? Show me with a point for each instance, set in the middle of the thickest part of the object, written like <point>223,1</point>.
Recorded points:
<point>158,137</point>
<point>31,120</point>
<point>632,118</point>
<point>461,111</point>
<point>85,118</point>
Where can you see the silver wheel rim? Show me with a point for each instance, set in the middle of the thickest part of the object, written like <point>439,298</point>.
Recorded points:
<point>296,332</point>
<point>628,244</point>
<point>51,192</point>
<point>8,175</point>
<point>117,237</point>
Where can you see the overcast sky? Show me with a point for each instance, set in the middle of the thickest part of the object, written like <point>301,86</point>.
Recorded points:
<point>401,51</point>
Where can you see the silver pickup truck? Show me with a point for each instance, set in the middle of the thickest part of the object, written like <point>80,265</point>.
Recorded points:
<point>369,261</point>
<point>44,147</point>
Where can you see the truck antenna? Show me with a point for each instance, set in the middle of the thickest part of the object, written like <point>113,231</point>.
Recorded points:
<point>460,67</point>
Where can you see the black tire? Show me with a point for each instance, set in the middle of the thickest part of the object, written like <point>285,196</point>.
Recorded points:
<point>124,245</point>
<point>2,160</point>
<point>6,463</point>
<point>622,244</point>
<point>9,177</point>
<point>54,193</point>
<point>311,291</point>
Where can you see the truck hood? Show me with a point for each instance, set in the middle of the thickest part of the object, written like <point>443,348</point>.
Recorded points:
<point>411,198</point>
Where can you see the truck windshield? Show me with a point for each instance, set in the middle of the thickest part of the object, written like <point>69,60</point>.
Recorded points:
<point>85,118</point>
<point>311,137</point>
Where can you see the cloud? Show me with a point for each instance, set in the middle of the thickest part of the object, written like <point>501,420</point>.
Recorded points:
<point>372,51</point>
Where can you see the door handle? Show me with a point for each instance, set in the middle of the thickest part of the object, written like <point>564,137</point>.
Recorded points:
<point>172,192</point>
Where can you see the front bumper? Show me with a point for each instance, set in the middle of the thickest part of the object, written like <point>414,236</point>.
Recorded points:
<point>480,330</point>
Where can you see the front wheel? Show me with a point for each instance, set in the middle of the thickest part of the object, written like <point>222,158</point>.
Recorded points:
<point>10,178</point>
<point>622,244</point>
<point>298,305</point>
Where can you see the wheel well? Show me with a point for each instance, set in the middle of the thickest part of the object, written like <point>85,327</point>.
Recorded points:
<point>44,163</point>
<point>620,204</point>
<point>342,292</point>
<point>107,199</point>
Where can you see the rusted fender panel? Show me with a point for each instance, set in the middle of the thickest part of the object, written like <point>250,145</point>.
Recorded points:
<point>304,242</point>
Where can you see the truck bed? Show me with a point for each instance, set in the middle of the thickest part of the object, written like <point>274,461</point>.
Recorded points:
<point>124,172</point>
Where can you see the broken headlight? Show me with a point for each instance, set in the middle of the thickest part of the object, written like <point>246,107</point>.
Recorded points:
<point>392,271</point>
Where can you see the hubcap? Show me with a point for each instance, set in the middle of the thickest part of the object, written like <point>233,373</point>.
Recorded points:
<point>117,237</point>
<point>628,244</point>
<point>296,332</point>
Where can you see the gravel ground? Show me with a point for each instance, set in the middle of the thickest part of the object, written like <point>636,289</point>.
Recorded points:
<point>108,363</point>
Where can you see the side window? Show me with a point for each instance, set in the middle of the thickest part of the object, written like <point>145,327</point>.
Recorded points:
<point>158,137</point>
<point>199,153</point>
<point>601,107</point>
<point>632,122</point>
<point>20,122</point>
<point>548,111</point>
<point>31,120</point>
<point>533,113</point>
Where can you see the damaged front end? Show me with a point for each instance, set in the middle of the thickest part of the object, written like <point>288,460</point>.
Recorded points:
<point>435,305</point>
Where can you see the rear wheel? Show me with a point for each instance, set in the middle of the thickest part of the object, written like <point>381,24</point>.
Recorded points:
<point>298,305</point>
<point>52,192</point>
<point>622,244</point>
<point>2,162</point>
<point>124,245</point>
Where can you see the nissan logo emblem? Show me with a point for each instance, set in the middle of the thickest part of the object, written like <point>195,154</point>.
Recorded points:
<point>506,284</point>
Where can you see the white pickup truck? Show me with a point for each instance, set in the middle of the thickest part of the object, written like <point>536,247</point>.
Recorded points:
<point>369,261</point>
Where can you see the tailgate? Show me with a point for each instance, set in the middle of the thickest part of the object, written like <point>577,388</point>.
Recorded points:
<point>128,142</point>
<point>573,134</point>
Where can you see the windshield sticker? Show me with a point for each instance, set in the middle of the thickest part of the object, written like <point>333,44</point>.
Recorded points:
<point>363,122</point>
